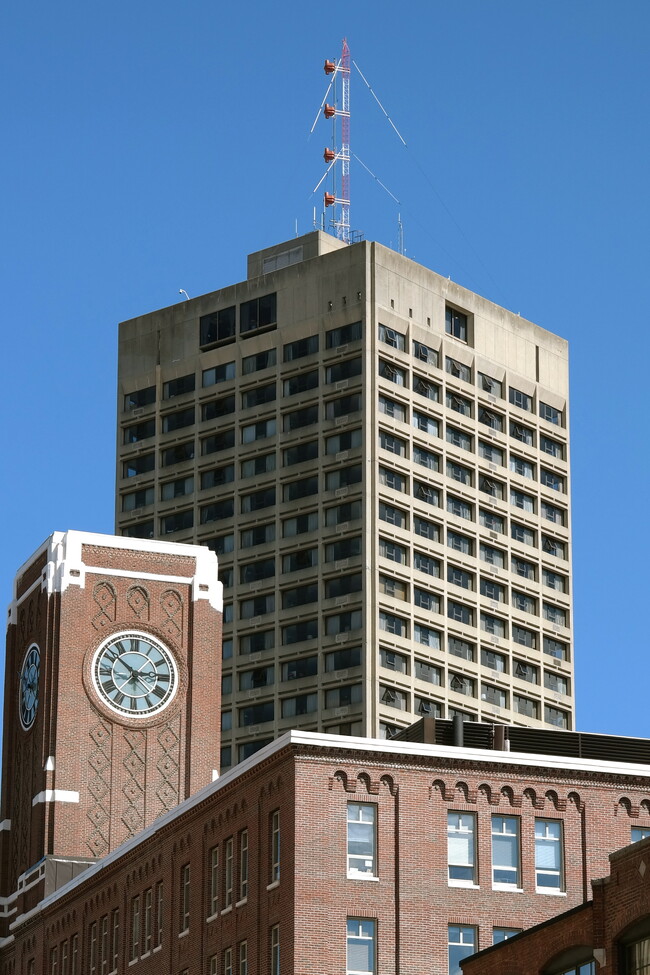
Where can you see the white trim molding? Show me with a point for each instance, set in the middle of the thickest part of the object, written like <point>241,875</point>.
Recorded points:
<point>55,795</point>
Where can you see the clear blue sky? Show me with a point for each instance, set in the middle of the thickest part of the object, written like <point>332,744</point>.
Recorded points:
<point>149,146</point>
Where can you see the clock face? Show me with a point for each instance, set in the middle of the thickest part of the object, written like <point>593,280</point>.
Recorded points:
<point>29,686</point>
<point>134,674</point>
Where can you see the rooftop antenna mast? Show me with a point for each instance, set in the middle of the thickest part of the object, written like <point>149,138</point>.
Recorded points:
<point>340,151</point>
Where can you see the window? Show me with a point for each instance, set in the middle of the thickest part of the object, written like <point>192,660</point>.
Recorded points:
<point>257,535</point>
<point>456,324</point>
<point>264,464</point>
<point>523,602</point>
<point>298,454</point>
<point>522,433</point>
<point>93,948</point>
<point>424,563</point>
<point>548,854</point>
<point>218,326</point>
<point>343,623</point>
<point>258,677</point>
<point>209,445</point>
<point>554,614</point>
<point>426,424</point>
<point>300,418</point>
<point>141,464</point>
<point>460,508</point>
<point>184,900</point>
<point>346,548</point>
<point>159,913</point>
<point>427,672</point>
<point>392,479</point>
<point>134,948</point>
<point>343,659</point>
<point>502,934</point>
<point>178,387</point>
<point>425,354</point>
<point>505,851</point>
<point>459,577</point>
<point>394,445</point>
<point>521,500</point>
<point>424,387</point>
<point>262,360</point>
<point>461,684</point>
<point>489,384</point>
<point>257,431</point>
<point>550,446</point>
<point>462,941</point>
<point>490,419</point>
<point>298,633</point>
<point>243,865</point>
<point>392,515</point>
<point>344,477</point>
<point>426,493</point>
<point>218,407</point>
<point>495,661</point>
<point>493,556</point>
<point>458,369</point>
<point>519,533</point>
<point>550,414</point>
<point>213,894</point>
<point>640,833</point>
<point>336,337</point>
<point>551,480</point>
<point>523,568</point>
<point>427,637</point>
<point>361,839</point>
<point>178,420</point>
<point>492,590</point>
<point>461,855</point>
<point>341,371</point>
<point>458,438</point>
<point>304,558</point>
<point>524,637</point>
<point>390,623</point>
<point>492,454</point>
<point>552,513</point>
<point>257,642</point>
<point>274,872</point>
<point>526,671</point>
<point>555,648</point>
<point>218,374</point>
<point>553,546</point>
<point>556,717</point>
<point>460,648</point>
<point>300,348</point>
<point>347,440</point>
<point>344,696</point>
<point>525,705</point>
<point>391,408</point>
<point>139,398</point>
<point>257,606</point>
<point>361,949</point>
<point>217,511</point>
<point>302,488</point>
<point>459,404</point>
<point>341,406</point>
<point>275,950</point>
<point>392,373</point>
<point>493,625</point>
<point>139,431</point>
<point>390,337</point>
<point>257,313</point>
<point>299,595</point>
<point>243,958</point>
<point>521,399</point>
<point>256,714</point>
<point>459,473</point>
<point>488,485</point>
<point>554,580</point>
<point>460,543</point>
<point>180,521</point>
<point>393,661</point>
<point>143,529</point>
<point>522,467</point>
<point>393,587</point>
<point>426,529</point>
<point>138,499</point>
<point>300,525</point>
<point>428,601</point>
<point>227,961</point>
<point>300,667</point>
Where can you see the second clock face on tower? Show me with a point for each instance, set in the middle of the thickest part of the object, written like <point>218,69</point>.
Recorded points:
<point>29,676</point>
<point>134,675</point>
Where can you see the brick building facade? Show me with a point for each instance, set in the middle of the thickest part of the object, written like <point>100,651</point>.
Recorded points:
<point>609,935</point>
<point>113,655</point>
<point>332,854</point>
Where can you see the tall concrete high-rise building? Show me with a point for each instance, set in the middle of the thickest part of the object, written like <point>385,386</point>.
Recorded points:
<point>380,459</point>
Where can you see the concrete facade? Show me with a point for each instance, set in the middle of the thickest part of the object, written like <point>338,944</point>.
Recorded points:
<point>380,458</point>
<point>261,869</point>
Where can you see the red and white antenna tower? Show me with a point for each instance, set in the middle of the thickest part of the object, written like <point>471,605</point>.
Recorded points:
<point>340,151</point>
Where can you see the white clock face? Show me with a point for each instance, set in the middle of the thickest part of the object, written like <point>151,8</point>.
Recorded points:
<point>29,676</point>
<point>134,674</point>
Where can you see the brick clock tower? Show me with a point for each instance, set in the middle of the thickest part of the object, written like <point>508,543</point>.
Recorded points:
<point>112,701</point>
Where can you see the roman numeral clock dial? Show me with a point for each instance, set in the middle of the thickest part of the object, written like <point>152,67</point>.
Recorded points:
<point>134,675</point>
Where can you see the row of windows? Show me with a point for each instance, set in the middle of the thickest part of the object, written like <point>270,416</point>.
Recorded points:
<point>399,518</point>
<point>261,712</point>
<point>220,326</point>
<point>492,696</point>
<point>456,325</point>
